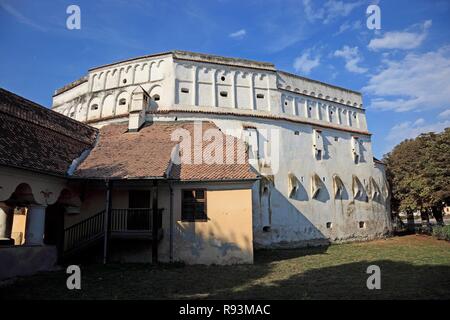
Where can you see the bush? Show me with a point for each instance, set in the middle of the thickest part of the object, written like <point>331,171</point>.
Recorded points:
<point>442,232</point>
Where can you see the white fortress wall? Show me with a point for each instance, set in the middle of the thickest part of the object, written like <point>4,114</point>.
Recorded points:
<point>322,137</point>
<point>300,217</point>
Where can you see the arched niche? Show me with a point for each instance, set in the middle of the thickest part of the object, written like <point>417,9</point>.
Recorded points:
<point>121,107</point>
<point>108,105</point>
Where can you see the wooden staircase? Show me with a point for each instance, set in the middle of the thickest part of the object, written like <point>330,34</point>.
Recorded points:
<point>133,223</point>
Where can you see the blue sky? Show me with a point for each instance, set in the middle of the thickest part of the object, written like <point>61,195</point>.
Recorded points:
<point>403,69</point>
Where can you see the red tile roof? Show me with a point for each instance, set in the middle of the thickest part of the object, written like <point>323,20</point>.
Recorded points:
<point>147,154</point>
<point>36,138</point>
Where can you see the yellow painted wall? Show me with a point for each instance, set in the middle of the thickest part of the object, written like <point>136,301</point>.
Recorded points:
<point>225,238</point>
<point>18,228</point>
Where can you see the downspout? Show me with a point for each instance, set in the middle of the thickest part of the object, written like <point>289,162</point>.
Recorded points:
<point>171,223</point>
<point>106,221</point>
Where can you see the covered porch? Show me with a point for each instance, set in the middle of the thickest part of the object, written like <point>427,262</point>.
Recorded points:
<point>112,211</point>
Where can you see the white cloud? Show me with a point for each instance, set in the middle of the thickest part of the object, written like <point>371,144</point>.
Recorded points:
<point>305,63</point>
<point>331,10</point>
<point>356,25</point>
<point>20,17</point>
<point>445,114</point>
<point>351,57</point>
<point>417,82</point>
<point>238,34</point>
<point>410,130</point>
<point>405,40</point>
<point>419,122</point>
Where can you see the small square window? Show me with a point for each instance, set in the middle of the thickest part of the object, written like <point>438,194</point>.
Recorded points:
<point>297,133</point>
<point>319,155</point>
<point>223,94</point>
<point>185,90</point>
<point>260,96</point>
<point>193,206</point>
<point>329,225</point>
<point>336,139</point>
<point>362,224</point>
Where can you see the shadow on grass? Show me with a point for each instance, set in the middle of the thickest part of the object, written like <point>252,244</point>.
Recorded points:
<point>399,280</point>
<point>275,275</point>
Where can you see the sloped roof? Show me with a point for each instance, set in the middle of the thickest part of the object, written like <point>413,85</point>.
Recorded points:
<point>148,154</point>
<point>36,138</point>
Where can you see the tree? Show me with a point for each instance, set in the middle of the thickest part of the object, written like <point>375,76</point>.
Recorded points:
<point>418,171</point>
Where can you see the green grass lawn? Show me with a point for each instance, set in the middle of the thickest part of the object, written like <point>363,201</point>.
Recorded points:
<point>412,267</point>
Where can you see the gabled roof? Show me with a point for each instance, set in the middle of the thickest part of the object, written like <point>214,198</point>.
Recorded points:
<point>35,138</point>
<point>146,154</point>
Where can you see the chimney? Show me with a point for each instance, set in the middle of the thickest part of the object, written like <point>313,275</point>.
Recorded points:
<point>139,103</point>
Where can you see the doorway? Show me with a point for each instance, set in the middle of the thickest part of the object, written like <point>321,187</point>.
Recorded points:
<point>139,216</point>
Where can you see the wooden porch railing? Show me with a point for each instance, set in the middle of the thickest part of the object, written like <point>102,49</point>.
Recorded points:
<point>127,223</point>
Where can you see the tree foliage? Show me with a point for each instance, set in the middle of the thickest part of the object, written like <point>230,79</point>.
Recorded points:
<point>418,171</point>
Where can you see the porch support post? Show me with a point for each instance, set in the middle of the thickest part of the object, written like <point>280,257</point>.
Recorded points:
<point>34,233</point>
<point>155,224</point>
<point>106,222</point>
<point>171,223</point>
<point>6,220</point>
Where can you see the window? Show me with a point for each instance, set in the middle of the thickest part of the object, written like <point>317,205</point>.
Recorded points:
<point>156,97</point>
<point>260,96</point>
<point>94,107</point>
<point>317,144</point>
<point>72,114</point>
<point>222,78</point>
<point>193,207</point>
<point>185,90</point>
<point>336,139</point>
<point>297,133</point>
<point>362,224</point>
<point>122,102</point>
<point>124,81</point>
<point>223,94</point>
<point>329,225</point>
